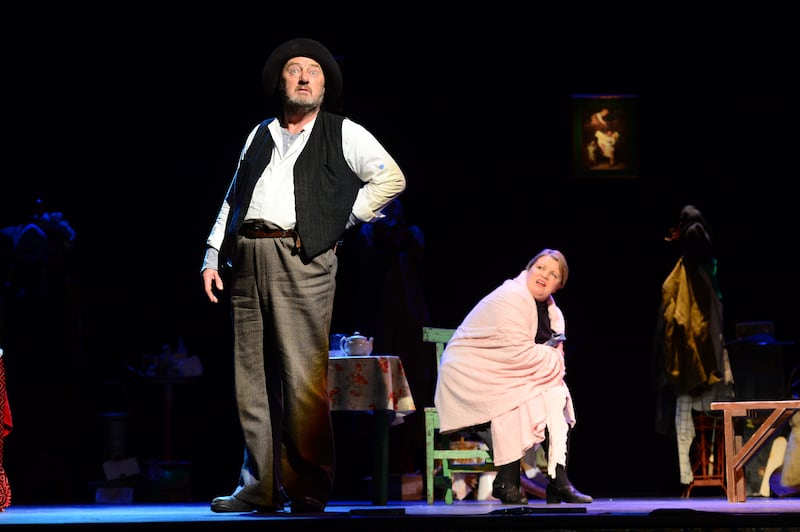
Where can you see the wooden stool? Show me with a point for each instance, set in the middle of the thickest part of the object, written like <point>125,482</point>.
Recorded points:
<point>708,453</point>
<point>737,451</point>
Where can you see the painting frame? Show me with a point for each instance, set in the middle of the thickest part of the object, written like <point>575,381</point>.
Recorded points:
<point>605,135</point>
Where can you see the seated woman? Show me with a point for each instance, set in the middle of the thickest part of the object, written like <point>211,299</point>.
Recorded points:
<point>505,366</point>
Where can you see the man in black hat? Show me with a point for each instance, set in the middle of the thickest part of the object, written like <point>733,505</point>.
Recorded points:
<point>303,178</point>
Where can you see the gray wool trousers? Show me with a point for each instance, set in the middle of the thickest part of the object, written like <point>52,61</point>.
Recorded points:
<point>281,310</point>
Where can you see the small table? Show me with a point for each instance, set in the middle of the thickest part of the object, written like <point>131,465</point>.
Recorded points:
<point>168,466</point>
<point>737,451</point>
<point>375,384</point>
<point>167,383</point>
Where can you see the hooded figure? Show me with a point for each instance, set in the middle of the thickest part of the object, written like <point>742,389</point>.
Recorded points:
<point>690,362</point>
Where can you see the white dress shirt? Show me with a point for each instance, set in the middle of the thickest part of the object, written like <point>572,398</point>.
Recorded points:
<point>273,196</point>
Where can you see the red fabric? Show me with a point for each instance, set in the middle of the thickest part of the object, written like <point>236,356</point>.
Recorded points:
<point>5,429</point>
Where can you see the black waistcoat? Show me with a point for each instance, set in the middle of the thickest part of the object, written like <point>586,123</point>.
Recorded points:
<point>324,187</point>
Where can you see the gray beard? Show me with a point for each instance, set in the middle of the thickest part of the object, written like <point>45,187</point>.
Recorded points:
<point>301,106</point>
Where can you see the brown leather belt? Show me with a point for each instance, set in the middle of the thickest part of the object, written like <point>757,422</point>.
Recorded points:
<point>259,230</point>
<point>251,232</point>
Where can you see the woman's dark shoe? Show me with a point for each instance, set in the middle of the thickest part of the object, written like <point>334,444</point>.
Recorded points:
<point>508,494</point>
<point>568,493</point>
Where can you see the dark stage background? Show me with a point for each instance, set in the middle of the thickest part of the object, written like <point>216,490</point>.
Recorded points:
<point>131,125</point>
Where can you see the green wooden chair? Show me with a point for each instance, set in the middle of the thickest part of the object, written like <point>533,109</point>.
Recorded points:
<point>437,446</point>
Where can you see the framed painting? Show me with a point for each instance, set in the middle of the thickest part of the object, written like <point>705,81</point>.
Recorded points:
<point>605,135</point>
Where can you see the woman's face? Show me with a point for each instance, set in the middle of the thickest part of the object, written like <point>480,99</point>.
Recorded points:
<point>544,277</point>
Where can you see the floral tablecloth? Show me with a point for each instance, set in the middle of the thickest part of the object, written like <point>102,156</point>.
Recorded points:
<point>375,382</point>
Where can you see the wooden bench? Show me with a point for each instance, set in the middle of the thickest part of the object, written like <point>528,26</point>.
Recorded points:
<point>737,451</point>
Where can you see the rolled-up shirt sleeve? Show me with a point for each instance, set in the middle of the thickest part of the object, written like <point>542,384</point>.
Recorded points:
<point>373,164</point>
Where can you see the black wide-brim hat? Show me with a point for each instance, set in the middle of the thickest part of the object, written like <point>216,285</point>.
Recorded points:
<point>303,47</point>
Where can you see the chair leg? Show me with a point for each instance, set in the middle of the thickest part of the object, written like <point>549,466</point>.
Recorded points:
<point>429,461</point>
<point>429,483</point>
<point>448,481</point>
<point>429,468</point>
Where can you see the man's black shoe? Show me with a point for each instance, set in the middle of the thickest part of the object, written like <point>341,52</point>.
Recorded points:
<point>307,505</point>
<point>230,504</point>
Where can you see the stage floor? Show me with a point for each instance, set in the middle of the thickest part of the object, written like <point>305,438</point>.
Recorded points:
<point>417,516</point>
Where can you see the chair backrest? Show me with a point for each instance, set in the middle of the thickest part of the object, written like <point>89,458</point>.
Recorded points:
<point>440,337</point>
